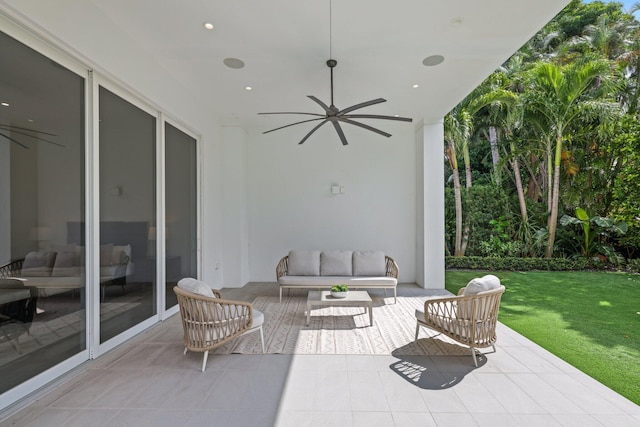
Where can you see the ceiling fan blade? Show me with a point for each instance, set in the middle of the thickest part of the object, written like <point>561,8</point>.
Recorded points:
<point>322,104</point>
<point>32,136</point>
<point>293,124</point>
<point>14,141</point>
<point>376,116</point>
<point>362,125</point>
<point>11,127</point>
<point>293,112</point>
<point>312,131</point>
<point>340,132</point>
<point>361,105</point>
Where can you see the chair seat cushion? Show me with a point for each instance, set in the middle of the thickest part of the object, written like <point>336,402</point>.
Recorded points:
<point>328,281</point>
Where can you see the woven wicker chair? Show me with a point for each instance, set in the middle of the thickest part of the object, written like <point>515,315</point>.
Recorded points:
<point>470,320</point>
<point>209,322</point>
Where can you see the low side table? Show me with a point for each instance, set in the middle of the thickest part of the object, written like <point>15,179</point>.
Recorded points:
<point>353,299</point>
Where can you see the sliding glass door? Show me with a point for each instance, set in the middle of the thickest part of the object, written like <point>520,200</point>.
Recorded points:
<point>127,284</point>
<point>42,151</point>
<point>180,209</point>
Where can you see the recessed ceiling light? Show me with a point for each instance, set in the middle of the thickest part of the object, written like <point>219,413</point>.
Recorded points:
<point>396,115</point>
<point>234,63</point>
<point>432,60</point>
<point>416,86</point>
<point>30,120</point>
<point>457,20</point>
<point>4,104</point>
<point>208,25</point>
<point>248,87</point>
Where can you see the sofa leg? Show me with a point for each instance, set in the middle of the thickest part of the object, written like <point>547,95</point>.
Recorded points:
<point>417,331</point>
<point>185,351</point>
<point>395,295</point>
<point>280,293</point>
<point>473,354</point>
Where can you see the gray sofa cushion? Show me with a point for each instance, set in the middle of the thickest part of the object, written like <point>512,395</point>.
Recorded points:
<point>38,264</point>
<point>304,263</point>
<point>369,263</point>
<point>336,263</point>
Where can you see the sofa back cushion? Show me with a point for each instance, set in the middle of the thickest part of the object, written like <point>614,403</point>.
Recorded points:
<point>336,263</point>
<point>38,264</point>
<point>369,263</point>
<point>106,254</point>
<point>63,267</point>
<point>304,263</point>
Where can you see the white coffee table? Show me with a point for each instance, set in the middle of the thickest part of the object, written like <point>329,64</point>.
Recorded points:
<point>353,299</point>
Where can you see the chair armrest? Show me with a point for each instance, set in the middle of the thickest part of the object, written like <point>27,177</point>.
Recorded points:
<point>391,267</point>
<point>461,290</point>
<point>11,269</point>
<point>444,307</point>
<point>216,293</point>
<point>282,267</point>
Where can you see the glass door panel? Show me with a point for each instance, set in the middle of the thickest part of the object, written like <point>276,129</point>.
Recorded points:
<point>42,150</point>
<point>127,215</point>
<point>181,209</point>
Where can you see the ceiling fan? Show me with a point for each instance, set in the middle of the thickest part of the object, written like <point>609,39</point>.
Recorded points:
<point>31,133</point>
<point>335,116</point>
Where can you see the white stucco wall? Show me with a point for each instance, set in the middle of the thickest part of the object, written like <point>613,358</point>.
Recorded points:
<point>291,205</point>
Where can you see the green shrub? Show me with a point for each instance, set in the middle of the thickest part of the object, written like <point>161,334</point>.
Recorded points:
<point>522,264</point>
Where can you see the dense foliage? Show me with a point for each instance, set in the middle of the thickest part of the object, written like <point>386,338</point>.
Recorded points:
<point>543,158</point>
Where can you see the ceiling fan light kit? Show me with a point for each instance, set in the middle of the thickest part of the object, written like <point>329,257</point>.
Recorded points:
<point>336,116</point>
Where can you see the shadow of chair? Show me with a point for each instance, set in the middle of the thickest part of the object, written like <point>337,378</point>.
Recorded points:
<point>209,322</point>
<point>467,319</point>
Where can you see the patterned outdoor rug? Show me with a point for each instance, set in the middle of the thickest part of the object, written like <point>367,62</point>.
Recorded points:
<point>342,330</point>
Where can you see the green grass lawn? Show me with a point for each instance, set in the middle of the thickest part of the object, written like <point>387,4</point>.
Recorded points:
<point>589,319</point>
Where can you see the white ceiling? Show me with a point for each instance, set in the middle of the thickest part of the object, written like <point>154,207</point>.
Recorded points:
<point>379,46</point>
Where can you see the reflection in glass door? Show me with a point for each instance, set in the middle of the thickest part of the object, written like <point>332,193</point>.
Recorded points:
<point>181,208</point>
<point>42,148</point>
<point>127,215</point>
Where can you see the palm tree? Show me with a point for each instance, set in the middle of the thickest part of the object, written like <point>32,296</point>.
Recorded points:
<point>560,95</point>
<point>457,128</point>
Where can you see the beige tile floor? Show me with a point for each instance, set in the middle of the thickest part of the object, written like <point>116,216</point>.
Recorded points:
<point>147,382</point>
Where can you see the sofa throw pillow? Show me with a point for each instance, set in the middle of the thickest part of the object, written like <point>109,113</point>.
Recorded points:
<point>369,263</point>
<point>38,264</point>
<point>195,286</point>
<point>481,284</point>
<point>336,263</point>
<point>474,287</point>
<point>304,263</point>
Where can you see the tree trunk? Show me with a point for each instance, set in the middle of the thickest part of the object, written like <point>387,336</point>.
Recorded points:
<point>550,181</point>
<point>495,153</point>
<point>516,171</point>
<point>553,217</point>
<point>468,184</point>
<point>458,198</point>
